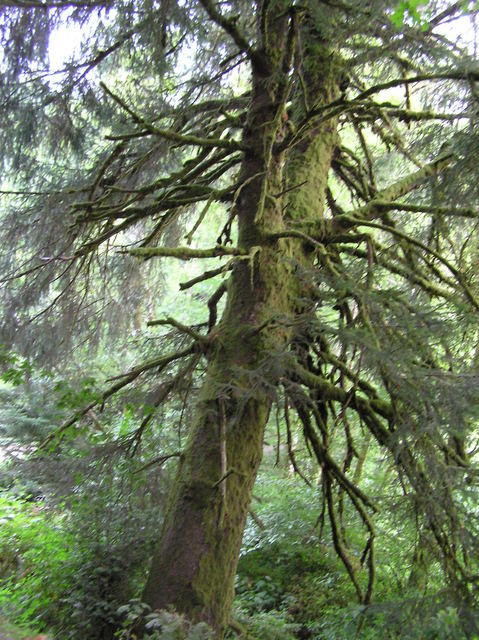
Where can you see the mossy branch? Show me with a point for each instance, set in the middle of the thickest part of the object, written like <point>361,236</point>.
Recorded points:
<point>339,105</point>
<point>167,134</point>
<point>336,394</point>
<point>407,238</point>
<point>447,74</point>
<point>183,328</point>
<point>164,391</point>
<point>403,271</point>
<point>226,475</point>
<point>384,199</point>
<point>458,212</point>
<point>207,275</point>
<point>161,362</point>
<point>185,253</point>
<point>409,115</point>
<point>293,233</point>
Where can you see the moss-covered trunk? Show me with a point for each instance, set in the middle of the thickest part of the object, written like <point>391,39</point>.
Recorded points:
<point>195,564</point>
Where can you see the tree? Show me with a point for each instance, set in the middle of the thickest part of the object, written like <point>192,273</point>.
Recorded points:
<point>346,260</point>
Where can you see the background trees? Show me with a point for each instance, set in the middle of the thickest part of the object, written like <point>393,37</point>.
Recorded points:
<point>319,162</point>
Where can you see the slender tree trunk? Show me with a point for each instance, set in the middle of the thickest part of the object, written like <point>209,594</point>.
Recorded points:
<point>196,560</point>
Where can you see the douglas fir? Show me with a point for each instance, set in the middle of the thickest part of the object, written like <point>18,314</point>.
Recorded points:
<point>339,141</point>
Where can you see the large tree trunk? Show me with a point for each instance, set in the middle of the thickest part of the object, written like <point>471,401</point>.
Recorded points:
<point>196,560</point>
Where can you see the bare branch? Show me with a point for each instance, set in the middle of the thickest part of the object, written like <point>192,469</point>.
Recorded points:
<point>207,275</point>
<point>160,460</point>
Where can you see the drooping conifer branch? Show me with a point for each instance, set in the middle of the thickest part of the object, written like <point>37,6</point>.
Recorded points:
<point>334,393</point>
<point>124,380</point>
<point>376,206</point>
<point>168,134</point>
<point>182,328</point>
<point>229,25</point>
<point>162,394</point>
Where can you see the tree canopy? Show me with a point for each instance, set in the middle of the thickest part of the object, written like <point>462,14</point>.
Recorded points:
<point>318,161</point>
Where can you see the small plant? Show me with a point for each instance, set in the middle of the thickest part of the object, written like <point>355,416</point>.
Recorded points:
<point>270,625</point>
<point>159,625</point>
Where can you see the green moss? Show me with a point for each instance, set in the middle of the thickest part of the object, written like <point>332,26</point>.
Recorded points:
<point>310,169</point>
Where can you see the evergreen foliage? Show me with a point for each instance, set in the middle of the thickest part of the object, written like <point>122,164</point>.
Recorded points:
<point>317,163</point>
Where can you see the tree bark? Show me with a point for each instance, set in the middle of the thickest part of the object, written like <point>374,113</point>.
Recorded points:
<point>196,560</point>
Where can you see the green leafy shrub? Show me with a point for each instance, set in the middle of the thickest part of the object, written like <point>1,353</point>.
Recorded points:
<point>34,548</point>
<point>421,618</point>
<point>159,625</point>
<point>71,567</point>
<point>264,625</point>
<point>271,626</point>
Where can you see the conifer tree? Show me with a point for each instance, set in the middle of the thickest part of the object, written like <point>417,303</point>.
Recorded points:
<point>346,266</point>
